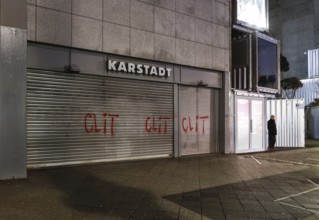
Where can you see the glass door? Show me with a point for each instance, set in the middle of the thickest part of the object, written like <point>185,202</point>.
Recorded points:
<point>256,129</point>
<point>249,125</point>
<point>243,127</point>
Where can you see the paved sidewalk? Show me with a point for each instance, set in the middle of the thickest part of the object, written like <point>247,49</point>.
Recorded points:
<point>293,155</point>
<point>276,185</point>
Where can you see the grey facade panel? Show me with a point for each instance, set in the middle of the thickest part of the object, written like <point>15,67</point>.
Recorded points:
<point>203,32</point>
<point>32,2</point>
<point>117,11</point>
<point>220,13</point>
<point>116,39</point>
<point>142,44</point>
<point>164,21</point>
<point>87,33</point>
<point>203,56</point>
<point>185,27</point>
<point>142,16</point>
<point>193,76</point>
<point>185,6</point>
<point>185,52</point>
<point>169,4</point>
<point>47,57</point>
<point>87,62</point>
<point>91,9</point>
<point>31,22</point>
<point>13,103</point>
<point>53,27</point>
<point>203,9</point>
<point>164,48</point>
<point>59,5</point>
<point>14,13</point>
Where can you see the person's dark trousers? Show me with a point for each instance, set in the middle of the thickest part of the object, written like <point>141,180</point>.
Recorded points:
<point>271,141</point>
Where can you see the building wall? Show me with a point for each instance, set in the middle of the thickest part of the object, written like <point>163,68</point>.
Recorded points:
<point>188,32</point>
<point>296,24</point>
<point>13,47</point>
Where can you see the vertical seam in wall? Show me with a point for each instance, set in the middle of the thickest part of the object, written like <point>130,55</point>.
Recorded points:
<point>154,30</point>
<point>102,49</point>
<point>71,33</point>
<point>175,35</point>
<point>193,41</point>
<point>130,26</point>
<point>36,21</point>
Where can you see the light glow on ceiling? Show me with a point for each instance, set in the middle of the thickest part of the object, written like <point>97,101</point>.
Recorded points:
<point>252,12</point>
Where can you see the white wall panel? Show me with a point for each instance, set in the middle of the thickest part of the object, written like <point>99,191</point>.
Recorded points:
<point>290,120</point>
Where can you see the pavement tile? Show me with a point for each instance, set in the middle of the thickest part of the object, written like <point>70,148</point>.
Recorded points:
<point>191,205</point>
<point>296,210</point>
<point>281,216</point>
<point>234,212</point>
<point>209,200</point>
<point>191,196</point>
<point>307,216</point>
<point>263,196</point>
<point>213,217</point>
<point>246,197</point>
<point>314,206</point>
<point>228,196</point>
<point>304,198</point>
<point>258,215</point>
<point>208,192</point>
<point>165,217</point>
<point>189,214</point>
<point>231,204</point>
<point>212,210</point>
<point>273,207</point>
<point>250,203</point>
<point>167,210</point>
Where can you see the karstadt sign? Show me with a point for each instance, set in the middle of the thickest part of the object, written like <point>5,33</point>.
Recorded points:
<point>133,68</point>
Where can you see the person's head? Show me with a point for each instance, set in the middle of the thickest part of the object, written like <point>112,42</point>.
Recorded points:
<point>272,117</point>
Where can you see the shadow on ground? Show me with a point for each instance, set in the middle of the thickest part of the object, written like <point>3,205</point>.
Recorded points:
<point>90,195</point>
<point>312,143</point>
<point>286,196</point>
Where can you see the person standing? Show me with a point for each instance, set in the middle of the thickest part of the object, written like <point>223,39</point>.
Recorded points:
<point>272,132</point>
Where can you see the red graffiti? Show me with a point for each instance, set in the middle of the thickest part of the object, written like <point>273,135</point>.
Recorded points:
<point>188,126</point>
<point>91,125</point>
<point>155,124</point>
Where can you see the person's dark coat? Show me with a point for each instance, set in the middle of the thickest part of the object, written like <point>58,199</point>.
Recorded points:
<point>272,129</point>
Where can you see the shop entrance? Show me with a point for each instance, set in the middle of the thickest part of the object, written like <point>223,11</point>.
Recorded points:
<point>249,124</point>
<point>198,120</point>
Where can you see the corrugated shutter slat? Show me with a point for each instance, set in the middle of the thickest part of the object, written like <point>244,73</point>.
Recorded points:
<point>66,122</point>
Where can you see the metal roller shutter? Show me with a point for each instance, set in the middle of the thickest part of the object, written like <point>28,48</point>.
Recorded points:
<point>76,118</point>
<point>198,117</point>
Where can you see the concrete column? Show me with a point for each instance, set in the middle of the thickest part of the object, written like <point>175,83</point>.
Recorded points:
<point>13,48</point>
<point>226,115</point>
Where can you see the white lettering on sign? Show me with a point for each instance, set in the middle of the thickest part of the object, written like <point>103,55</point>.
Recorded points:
<point>120,66</point>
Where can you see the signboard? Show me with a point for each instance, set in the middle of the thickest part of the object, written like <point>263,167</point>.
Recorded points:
<point>138,68</point>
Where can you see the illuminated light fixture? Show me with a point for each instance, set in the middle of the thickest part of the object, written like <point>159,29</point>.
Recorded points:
<point>253,12</point>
